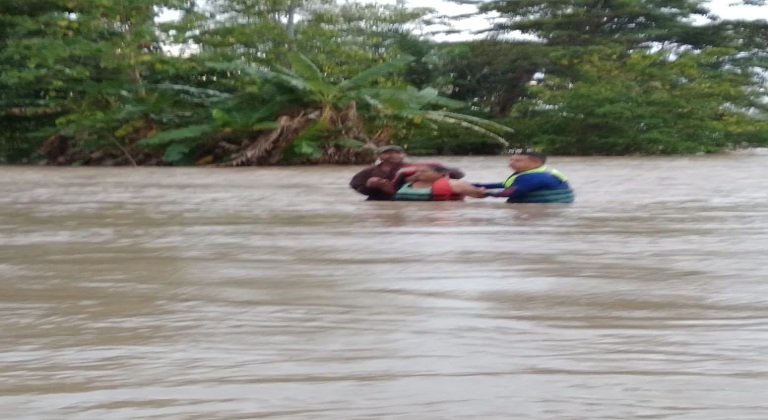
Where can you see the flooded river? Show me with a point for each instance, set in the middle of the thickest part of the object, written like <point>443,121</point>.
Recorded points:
<point>193,293</point>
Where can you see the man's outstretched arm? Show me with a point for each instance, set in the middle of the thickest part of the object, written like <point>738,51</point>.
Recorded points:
<point>359,181</point>
<point>494,185</point>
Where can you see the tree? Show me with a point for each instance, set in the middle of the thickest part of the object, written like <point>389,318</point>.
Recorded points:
<point>36,37</point>
<point>626,23</point>
<point>647,102</point>
<point>628,76</point>
<point>78,72</point>
<point>342,39</point>
<point>316,120</point>
<point>86,81</point>
<point>490,75</point>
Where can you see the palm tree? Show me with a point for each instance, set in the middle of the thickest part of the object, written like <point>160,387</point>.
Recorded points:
<point>309,119</point>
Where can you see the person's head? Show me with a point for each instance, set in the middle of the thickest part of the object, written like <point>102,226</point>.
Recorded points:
<point>430,173</point>
<point>390,154</point>
<point>525,161</point>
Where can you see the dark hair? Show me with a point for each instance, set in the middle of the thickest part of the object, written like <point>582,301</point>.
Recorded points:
<point>437,168</point>
<point>541,157</point>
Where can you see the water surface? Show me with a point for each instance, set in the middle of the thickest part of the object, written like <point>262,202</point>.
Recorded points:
<point>198,293</point>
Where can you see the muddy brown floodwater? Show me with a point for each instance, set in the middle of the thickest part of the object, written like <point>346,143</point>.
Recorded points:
<point>193,293</point>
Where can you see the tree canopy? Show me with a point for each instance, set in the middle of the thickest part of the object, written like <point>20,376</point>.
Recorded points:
<point>308,81</point>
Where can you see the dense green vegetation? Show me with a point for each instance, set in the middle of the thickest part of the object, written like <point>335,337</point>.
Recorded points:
<point>245,82</point>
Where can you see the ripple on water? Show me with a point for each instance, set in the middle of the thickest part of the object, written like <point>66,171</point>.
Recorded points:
<point>185,293</point>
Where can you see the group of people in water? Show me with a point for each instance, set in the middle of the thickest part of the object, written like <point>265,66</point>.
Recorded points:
<point>391,178</point>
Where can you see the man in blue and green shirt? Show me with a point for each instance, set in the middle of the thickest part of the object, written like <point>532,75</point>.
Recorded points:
<point>532,182</point>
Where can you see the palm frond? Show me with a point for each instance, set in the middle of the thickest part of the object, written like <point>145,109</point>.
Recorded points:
<point>164,137</point>
<point>194,91</point>
<point>389,103</point>
<point>446,119</point>
<point>293,82</point>
<point>367,76</point>
<point>306,148</point>
<point>176,152</point>
<point>305,68</point>
<point>412,98</point>
<point>373,102</point>
<point>481,122</point>
<point>280,76</point>
<point>312,132</point>
<point>434,98</point>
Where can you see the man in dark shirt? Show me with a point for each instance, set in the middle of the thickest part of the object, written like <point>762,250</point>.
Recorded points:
<point>379,182</point>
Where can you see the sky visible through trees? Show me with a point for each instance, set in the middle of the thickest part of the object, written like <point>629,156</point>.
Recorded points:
<point>89,82</point>
<point>721,8</point>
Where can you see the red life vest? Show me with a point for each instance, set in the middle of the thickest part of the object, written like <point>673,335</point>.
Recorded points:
<point>442,191</point>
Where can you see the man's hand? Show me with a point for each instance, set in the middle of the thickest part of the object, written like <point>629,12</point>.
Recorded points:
<point>378,183</point>
<point>465,188</point>
<point>478,192</point>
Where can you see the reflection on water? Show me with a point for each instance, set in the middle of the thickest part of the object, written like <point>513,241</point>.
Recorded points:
<point>263,293</point>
